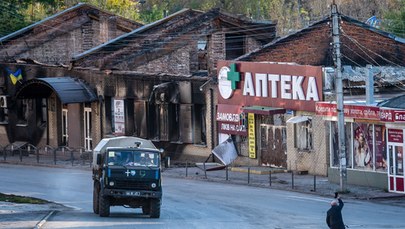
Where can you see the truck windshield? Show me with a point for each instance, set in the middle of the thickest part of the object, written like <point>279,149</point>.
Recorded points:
<point>133,158</point>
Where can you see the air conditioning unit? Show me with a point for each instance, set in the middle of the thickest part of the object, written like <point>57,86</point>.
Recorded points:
<point>3,101</point>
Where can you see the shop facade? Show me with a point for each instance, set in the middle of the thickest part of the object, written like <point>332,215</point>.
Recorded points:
<point>266,108</point>
<point>374,145</point>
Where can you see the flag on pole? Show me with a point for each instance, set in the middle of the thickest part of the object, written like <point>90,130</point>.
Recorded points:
<point>14,76</point>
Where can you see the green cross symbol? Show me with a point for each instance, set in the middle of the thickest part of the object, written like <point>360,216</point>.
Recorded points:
<point>233,76</point>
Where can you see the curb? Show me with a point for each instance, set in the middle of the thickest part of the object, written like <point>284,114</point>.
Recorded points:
<point>256,171</point>
<point>43,221</point>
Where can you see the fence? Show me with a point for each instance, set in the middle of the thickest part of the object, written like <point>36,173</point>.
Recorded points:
<point>256,176</point>
<point>61,155</point>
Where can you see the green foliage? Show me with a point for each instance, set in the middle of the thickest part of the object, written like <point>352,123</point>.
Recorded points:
<point>11,17</point>
<point>152,13</point>
<point>21,199</point>
<point>290,14</point>
<point>394,20</point>
<point>123,8</point>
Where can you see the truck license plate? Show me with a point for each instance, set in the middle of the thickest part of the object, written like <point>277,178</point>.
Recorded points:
<point>133,193</point>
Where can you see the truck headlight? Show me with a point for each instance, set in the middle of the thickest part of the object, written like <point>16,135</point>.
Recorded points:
<point>153,185</point>
<point>112,183</point>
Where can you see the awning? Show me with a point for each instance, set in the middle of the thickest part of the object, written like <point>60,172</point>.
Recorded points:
<point>298,119</point>
<point>69,90</point>
<point>264,110</point>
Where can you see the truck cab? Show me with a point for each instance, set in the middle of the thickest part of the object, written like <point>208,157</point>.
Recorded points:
<point>127,172</point>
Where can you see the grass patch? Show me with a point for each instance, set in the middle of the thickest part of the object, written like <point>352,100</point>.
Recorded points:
<point>21,199</point>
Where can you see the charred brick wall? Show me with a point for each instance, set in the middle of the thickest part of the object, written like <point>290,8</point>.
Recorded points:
<point>53,42</point>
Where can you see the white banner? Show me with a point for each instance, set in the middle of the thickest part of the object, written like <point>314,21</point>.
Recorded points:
<point>119,117</point>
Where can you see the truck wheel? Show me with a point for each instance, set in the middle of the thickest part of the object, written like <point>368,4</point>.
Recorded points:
<point>146,209</point>
<point>104,205</point>
<point>96,191</point>
<point>155,208</point>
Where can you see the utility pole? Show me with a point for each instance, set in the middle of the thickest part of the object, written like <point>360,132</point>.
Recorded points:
<point>339,99</point>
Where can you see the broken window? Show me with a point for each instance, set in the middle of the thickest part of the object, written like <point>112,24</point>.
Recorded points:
<point>235,46</point>
<point>303,135</point>
<point>108,115</point>
<point>140,113</point>
<point>65,136</point>
<point>22,111</point>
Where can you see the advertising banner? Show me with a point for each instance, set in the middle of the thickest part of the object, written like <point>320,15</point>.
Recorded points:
<point>119,117</point>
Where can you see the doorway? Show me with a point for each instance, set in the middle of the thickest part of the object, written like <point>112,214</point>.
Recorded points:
<point>273,145</point>
<point>396,167</point>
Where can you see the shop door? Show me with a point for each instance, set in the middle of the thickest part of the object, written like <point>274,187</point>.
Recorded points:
<point>273,145</point>
<point>396,168</point>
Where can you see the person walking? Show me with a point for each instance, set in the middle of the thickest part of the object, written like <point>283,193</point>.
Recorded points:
<point>334,217</point>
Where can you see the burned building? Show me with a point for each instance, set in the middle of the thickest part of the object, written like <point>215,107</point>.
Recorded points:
<point>156,82</point>
<point>30,101</point>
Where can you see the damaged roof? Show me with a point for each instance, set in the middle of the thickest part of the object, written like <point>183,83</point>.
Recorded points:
<point>361,44</point>
<point>167,35</point>
<point>17,44</point>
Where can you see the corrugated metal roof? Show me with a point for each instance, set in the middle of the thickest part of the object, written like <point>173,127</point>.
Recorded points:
<point>69,90</point>
<point>396,102</point>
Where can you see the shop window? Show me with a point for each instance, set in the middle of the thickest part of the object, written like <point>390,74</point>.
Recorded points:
<point>380,148</point>
<point>65,136</point>
<point>302,132</point>
<point>363,145</point>
<point>303,135</point>
<point>235,46</point>
<point>334,144</point>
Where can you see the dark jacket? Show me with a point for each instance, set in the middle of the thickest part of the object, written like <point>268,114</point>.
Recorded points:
<point>334,216</point>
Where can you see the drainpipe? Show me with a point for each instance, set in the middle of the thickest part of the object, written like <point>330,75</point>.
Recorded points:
<point>212,118</point>
<point>47,121</point>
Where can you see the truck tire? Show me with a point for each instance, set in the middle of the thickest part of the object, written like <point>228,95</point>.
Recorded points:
<point>96,192</point>
<point>146,209</point>
<point>155,208</point>
<point>104,205</point>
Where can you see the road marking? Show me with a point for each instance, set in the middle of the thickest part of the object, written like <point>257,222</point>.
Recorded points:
<point>309,198</point>
<point>43,221</point>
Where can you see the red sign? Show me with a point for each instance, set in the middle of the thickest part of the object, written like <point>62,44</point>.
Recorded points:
<point>350,111</point>
<point>231,120</point>
<point>392,115</point>
<point>396,135</point>
<point>289,86</point>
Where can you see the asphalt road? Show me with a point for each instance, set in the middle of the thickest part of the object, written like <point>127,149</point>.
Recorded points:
<point>191,204</point>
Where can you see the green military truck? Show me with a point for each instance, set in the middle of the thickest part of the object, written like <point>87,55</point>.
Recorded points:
<point>127,172</point>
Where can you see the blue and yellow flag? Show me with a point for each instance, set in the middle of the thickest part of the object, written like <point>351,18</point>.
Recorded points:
<point>15,76</point>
